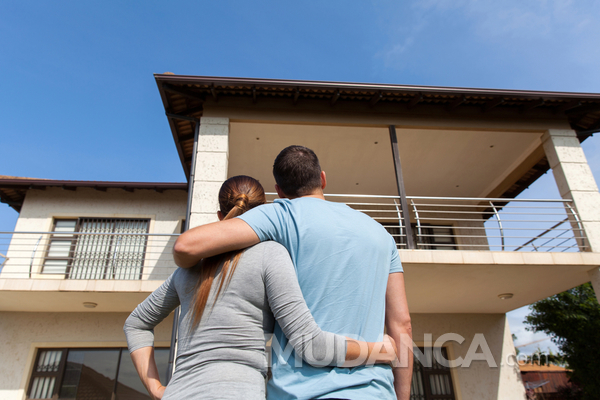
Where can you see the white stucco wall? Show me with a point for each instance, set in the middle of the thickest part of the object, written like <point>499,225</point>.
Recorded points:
<point>23,333</point>
<point>478,381</point>
<point>165,211</point>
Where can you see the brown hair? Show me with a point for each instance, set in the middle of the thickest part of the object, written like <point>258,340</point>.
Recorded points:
<point>237,195</point>
<point>297,171</point>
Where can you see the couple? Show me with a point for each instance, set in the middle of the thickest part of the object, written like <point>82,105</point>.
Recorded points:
<point>346,265</point>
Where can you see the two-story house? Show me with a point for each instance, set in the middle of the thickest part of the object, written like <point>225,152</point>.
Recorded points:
<point>440,168</point>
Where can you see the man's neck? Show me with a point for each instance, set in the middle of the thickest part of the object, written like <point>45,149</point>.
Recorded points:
<point>317,194</point>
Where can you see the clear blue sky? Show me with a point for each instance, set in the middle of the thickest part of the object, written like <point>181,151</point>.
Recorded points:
<point>78,99</point>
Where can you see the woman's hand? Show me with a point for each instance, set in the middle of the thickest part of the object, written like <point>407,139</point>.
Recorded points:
<point>369,353</point>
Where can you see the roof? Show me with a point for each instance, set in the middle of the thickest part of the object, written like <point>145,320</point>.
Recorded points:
<point>13,189</point>
<point>544,378</point>
<point>528,367</point>
<point>183,97</point>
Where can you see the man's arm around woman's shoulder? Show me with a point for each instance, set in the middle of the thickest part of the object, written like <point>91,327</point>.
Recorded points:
<point>211,239</point>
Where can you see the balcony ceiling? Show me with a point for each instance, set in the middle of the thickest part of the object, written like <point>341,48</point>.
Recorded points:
<point>358,160</point>
<point>440,281</point>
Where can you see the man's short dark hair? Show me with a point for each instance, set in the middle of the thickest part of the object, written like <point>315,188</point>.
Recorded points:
<point>297,171</point>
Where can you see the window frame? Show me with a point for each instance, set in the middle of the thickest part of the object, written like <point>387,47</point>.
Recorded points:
<point>60,374</point>
<point>61,237</point>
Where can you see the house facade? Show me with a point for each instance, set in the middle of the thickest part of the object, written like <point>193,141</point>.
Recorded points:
<point>440,168</point>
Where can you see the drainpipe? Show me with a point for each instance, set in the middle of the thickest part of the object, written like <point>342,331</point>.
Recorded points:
<point>172,349</point>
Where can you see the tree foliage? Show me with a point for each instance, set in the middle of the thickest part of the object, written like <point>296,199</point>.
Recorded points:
<point>572,318</point>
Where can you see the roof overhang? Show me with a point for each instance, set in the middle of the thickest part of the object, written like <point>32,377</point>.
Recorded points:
<point>14,189</point>
<point>183,97</point>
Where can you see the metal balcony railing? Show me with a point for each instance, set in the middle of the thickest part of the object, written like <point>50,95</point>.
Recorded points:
<point>57,255</point>
<point>437,223</point>
<point>498,224</point>
<point>462,223</point>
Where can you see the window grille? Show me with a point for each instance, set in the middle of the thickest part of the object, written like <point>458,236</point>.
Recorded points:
<point>47,371</point>
<point>98,248</point>
<point>431,381</point>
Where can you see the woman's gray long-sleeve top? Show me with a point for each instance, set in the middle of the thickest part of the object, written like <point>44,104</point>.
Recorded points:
<point>224,357</point>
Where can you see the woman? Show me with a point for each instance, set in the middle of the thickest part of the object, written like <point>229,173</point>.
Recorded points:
<point>228,303</point>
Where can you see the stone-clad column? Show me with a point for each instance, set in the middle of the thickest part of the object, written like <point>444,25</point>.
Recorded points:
<point>595,278</point>
<point>575,181</point>
<point>212,157</point>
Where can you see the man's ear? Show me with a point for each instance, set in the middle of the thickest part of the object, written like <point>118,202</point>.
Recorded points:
<point>323,180</point>
<point>280,192</point>
<point>220,215</point>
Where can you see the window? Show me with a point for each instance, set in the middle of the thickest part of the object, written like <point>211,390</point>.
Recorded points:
<point>431,238</point>
<point>435,238</point>
<point>433,380</point>
<point>97,248</point>
<point>100,374</point>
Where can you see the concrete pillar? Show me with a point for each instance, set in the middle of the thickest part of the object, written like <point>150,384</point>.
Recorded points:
<point>510,385</point>
<point>212,158</point>
<point>595,278</point>
<point>575,181</point>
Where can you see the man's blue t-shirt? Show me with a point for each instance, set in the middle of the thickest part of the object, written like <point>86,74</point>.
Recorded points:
<point>342,259</point>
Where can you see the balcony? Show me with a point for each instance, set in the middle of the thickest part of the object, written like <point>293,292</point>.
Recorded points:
<point>87,256</point>
<point>466,252</point>
<point>59,271</point>
<point>437,223</point>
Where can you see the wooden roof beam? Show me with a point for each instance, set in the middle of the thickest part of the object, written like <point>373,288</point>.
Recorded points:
<point>582,114</point>
<point>191,111</point>
<point>213,91</point>
<point>11,203</point>
<point>534,104</point>
<point>456,103</point>
<point>335,97</point>
<point>568,106</point>
<point>296,95</point>
<point>415,100</point>
<point>594,126</point>
<point>492,103</point>
<point>375,99</point>
<point>182,117</point>
<point>254,94</point>
<point>183,138</point>
<point>182,92</point>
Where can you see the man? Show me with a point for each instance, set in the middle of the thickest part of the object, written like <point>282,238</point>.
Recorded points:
<point>348,269</point>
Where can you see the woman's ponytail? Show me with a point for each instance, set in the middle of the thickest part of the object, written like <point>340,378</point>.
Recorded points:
<point>241,205</point>
<point>237,195</point>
